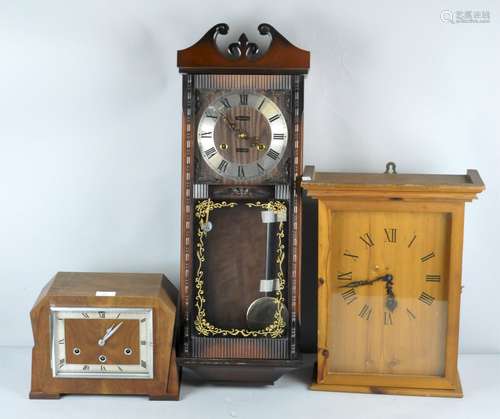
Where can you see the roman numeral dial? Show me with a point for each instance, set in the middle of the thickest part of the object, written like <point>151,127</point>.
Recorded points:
<point>104,342</point>
<point>388,273</point>
<point>242,135</point>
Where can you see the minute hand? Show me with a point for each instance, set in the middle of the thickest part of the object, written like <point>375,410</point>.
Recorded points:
<point>354,284</point>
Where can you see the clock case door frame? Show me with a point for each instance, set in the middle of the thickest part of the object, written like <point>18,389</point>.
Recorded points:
<point>190,189</point>
<point>450,380</point>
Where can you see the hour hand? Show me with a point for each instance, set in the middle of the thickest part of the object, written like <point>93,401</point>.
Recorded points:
<point>226,119</point>
<point>109,332</point>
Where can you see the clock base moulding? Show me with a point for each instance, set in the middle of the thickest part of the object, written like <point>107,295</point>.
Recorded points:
<point>255,372</point>
<point>395,391</point>
<point>103,297</point>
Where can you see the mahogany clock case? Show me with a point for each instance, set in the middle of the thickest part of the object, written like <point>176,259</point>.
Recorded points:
<point>93,302</point>
<point>242,153</point>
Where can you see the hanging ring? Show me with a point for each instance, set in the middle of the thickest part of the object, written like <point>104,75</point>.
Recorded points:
<point>390,168</point>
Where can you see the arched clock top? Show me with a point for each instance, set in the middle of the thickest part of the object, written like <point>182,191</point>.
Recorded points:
<point>281,57</point>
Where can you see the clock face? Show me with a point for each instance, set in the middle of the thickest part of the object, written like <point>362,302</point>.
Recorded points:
<point>102,342</point>
<point>388,284</point>
<point>242,135</point>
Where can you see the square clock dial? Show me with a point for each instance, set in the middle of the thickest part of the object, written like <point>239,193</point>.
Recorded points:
<point>102,342</point>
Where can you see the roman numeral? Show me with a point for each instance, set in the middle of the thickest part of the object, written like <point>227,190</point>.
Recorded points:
<point>412,240</point>
<point>390,234</point>
<point>260,168</point>
<point>387,318</point>
<point>433,278</point>
<point>349,295</point>
<point>223,165</point>
<point>210,152</point>
<point>102,314</point>
<point>426,298</point>
<point>244,99</point>
<point>273,154</point>
<point>143,342</point>
<point>207,134</point>
<point>344,276</point>
<point>366,238</point>
<point>365,312</point>
<point>61,362</point>
<point>241,171</point>
<point>120,368</point>
<point>86,368</point>
<point>143,364</point>
<point>143,320</point>
<point>60,341</point>
<point>278,136</point>
<point>261,104</point>
<point>349,255</point>
<point>103,368</point>
<point>427,257</point>
<point>84,315</point>
<point>411,316</point>
<point>274,118</point>
<point>225,102</point>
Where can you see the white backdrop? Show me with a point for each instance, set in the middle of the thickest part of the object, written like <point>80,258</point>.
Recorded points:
<point>90,119</point>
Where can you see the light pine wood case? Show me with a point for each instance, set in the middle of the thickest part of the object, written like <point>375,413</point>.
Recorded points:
<point>441,196</point>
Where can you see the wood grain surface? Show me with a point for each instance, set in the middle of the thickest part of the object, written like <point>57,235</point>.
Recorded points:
<point>236,257</point>
<point>410,226</point>
<point>84,335</point>
<point>78,289</point>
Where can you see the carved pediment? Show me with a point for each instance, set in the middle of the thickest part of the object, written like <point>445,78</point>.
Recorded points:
<point>243,56</point>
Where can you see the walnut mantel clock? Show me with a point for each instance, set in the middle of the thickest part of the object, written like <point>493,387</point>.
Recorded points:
<point>389,267</point>
<point>242,154</point>
<point>105,333</point>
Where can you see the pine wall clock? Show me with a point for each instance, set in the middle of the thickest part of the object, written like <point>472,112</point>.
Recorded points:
<point>242,153</point>
<point>389,267</point>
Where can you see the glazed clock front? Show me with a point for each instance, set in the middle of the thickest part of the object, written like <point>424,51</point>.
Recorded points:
<point>388,287</point>
<point>112,343</point>
<point>242,199</point>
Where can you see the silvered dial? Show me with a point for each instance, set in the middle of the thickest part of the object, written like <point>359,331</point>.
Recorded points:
<point>242,135</point>
<point>102,342</point>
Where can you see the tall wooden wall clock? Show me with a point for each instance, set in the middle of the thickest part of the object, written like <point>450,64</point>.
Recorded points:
<point>242,153</point>
<point>389,286</point>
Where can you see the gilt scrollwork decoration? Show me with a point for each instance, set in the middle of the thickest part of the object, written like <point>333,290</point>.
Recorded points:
<point>202,325</point>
